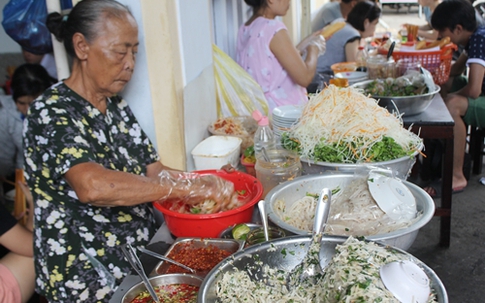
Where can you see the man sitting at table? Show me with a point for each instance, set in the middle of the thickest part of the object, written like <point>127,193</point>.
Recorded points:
<point>456,19</point>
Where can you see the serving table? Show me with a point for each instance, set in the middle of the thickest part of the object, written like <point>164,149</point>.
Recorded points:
<point>436,123</point>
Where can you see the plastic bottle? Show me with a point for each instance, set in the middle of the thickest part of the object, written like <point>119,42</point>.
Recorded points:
<point>361,59</point>
<point>264,136</point>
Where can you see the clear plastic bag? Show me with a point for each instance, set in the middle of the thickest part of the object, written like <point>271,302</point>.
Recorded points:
<point>192,189</point>
<point>237,93</point>
<point>24,22</point>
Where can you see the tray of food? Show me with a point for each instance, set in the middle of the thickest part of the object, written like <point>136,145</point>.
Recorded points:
<point>243,127</point>
<point>200,254</point>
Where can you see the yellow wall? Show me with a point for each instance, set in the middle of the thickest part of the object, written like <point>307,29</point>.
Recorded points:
<point>166,82</point>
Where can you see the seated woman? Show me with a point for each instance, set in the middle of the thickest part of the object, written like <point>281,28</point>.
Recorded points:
<point>361,23</point>
<point>28,82</point>
<point>266,52</point>
<point>17,272</point>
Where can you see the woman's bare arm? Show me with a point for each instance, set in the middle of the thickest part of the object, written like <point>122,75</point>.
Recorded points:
<point>302,72</point>
<point>99,186</point>
<point>18,240</point>
<point>351,49</point>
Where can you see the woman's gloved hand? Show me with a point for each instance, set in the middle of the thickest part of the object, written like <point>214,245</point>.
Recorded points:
<point>193,189</point>
<point>320,42</point>
<point>315,39</point>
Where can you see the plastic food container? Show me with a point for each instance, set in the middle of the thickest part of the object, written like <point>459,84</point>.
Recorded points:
<point>379,67</point>
<point>210,225</point>
<point>217,151</point>
<point>284,165</point>
<point>249,166</point>
<point>243,127</point>
<point>343,67</point>
<point>406,64</point>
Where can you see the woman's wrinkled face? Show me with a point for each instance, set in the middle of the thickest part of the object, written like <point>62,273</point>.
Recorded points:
<point>111,57</point>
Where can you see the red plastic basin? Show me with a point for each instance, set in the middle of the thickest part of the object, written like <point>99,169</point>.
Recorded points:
<point>210,225</point>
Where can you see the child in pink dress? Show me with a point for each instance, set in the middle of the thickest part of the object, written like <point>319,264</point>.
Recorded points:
<point>265,51</point>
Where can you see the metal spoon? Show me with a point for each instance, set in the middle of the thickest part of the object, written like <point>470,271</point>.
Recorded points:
<point>161,257</point>
<point>264,219</point>
<point>310,266</point>
<point>131,256</point>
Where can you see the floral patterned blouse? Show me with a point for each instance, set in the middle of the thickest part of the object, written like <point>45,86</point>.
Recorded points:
<point>76,245</point>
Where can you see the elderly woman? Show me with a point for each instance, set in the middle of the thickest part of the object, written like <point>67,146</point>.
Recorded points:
<point>89,165</point>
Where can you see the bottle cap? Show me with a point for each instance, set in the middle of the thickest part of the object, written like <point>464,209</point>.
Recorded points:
<point>262,120</point>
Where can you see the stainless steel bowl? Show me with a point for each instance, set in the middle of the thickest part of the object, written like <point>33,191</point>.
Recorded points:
<point>133,292</point>
<point>408,105</point>
<point>293,190</point>
<point>401,166</point>
<point>298,245</point>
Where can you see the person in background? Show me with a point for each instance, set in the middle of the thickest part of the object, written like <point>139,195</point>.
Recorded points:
<point>46,60</point>
<point>466,103</point>
<point>332,11</point>
<point>17,272</point>
<point>426,31</point>
<point>361,23</point>
<point>266,52</point>
<point>28,82</point>
<point>91,168</point>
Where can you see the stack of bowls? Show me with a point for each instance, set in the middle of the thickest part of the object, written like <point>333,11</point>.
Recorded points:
<point>283,117</point>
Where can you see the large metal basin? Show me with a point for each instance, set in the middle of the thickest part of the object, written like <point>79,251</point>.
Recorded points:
<point>298,245</point>
<point>293,190</point>
<point>401,166</point>
<point>406,105</point>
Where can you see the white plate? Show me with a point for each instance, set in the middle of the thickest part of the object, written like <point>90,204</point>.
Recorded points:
<point>392,196</point>
<point>406,281</point>
<point>288,111</point>
<point>352,76</point>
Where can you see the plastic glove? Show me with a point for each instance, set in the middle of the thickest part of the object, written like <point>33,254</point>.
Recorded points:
<point>320,43</point>
<point>192,189</point>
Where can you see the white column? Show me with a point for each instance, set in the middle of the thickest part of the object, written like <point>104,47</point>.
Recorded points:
<point>60,55</point>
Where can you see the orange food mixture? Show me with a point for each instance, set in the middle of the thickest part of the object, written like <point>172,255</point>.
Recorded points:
<point>201,259</point>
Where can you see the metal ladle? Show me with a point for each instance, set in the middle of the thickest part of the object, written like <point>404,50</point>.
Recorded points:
<point>131,256</point>
<point>310,266</point>
<point>264,219</point>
